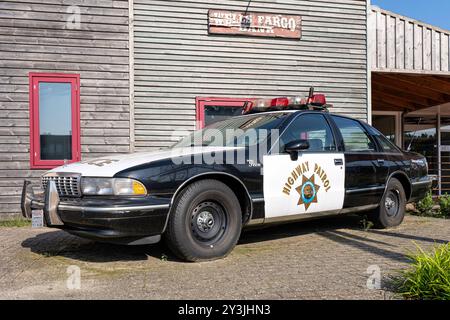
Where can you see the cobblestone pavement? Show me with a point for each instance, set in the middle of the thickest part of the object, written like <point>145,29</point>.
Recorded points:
<point>326,259</point>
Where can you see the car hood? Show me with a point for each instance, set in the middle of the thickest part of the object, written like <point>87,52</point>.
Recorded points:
<point>109,166</point>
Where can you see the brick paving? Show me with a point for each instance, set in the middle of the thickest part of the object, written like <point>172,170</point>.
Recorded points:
<point>324,259</point>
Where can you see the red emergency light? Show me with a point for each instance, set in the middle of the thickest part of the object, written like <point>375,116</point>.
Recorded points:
<point>318,100</point>
<point>313,102</point>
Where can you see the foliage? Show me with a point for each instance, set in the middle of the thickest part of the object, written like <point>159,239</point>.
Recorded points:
<point>428,277</point>
<point>365,223</point>
<point>425,206</point>
<point>15,223</point>
<point>444,204</point>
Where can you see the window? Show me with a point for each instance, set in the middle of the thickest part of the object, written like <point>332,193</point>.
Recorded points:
<point>386,124</point>
<point>54,119</point>
<point>356,139</point>
<point>211,110</point>
<point>311,127</point>
<point>389,123</point>
<point>386,144</point>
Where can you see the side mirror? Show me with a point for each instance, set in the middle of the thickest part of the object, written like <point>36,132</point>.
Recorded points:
<point>294,147</point>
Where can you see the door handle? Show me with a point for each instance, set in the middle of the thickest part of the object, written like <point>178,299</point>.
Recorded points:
<point>381,161</point>
<point>338,162</point>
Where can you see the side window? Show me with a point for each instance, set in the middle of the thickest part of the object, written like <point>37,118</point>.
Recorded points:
<point>383,141</point>
<point>311,127</point>
<point>386,144</point>
<point>355,137</point>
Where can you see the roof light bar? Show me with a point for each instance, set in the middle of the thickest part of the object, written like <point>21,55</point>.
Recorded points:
<point>312,102</point>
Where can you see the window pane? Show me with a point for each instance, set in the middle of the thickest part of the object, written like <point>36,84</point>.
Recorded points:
<point>215,114</point>
<point>420,135</point>
<point>55,120</point>
<point>386,125</point>
<point>354,135</point>
<point>386,144</point>
<point>311,127</point>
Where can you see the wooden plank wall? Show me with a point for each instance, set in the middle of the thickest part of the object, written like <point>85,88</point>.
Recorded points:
<point>176,60</point>
<point>403,44</point>
<point>34,37</point>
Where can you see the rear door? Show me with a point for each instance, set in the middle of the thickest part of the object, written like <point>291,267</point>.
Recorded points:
<point>312,184</point>
<point>365,166</point>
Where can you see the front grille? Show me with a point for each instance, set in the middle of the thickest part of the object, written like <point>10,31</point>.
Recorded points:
<point>68,185</point>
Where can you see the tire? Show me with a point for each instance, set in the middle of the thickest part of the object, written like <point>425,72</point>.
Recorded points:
<point>391,211</point>
<point>205,222</point>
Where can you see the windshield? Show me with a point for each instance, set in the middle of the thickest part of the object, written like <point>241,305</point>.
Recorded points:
<point>235,132</point>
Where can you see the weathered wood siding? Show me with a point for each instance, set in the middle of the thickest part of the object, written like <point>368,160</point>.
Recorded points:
<point>34,37</point>
<point>176,60</point>
<point>402,44</point>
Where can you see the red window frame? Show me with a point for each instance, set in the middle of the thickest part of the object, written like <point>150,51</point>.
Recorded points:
<point>35,144</point>
<point>203,102</point>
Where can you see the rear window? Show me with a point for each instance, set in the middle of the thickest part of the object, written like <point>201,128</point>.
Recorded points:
<point>383,141</point>
<point>356,138</point>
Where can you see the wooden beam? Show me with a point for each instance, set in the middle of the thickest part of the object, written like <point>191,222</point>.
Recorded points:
<point>432,83</point>
<point>386,105</point>
<point>398,82</point>
<point>131,73</point>
<point>381,96</point>
<point>404,96</point>
<point>407,95</point>
<point>442,81</point>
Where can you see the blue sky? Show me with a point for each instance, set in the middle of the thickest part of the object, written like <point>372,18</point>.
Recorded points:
<point>435,12</point>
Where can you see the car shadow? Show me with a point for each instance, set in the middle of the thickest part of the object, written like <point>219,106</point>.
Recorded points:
<point>409,237</point>
<point>293,229</point>
<point>62,244</point>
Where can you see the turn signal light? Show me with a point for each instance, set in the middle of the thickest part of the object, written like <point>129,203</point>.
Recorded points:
<point>138,188</point>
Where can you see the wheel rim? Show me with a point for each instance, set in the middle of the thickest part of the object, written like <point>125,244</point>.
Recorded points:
<point>208,222</point>
<point>391,203</point>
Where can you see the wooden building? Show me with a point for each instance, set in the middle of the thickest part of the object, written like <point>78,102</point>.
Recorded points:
<point>85,78</point>
<point>410,78</point>
<point>42,37</point>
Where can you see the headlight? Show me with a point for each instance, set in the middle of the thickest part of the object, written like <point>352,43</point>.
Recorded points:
<point>114,186</point>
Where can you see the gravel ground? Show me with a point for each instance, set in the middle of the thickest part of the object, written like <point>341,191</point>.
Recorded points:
<point>326,259</point>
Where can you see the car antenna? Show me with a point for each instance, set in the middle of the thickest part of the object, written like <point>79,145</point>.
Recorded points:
<point>248,6</point>
<point>414,135</point>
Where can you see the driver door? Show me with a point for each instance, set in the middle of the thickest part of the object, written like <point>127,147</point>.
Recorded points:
<point>311,184</point>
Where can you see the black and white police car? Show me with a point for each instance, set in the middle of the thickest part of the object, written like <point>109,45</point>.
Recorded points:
<point>287,159</point>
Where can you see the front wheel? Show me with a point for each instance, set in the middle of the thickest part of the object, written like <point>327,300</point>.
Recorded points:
<point>205,223</point>
<point>391,211</point>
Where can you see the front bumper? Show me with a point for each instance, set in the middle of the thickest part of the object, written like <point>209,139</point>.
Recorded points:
<point>122,220</point>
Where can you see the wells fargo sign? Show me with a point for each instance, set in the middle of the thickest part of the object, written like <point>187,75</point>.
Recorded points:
<point>254,24</point>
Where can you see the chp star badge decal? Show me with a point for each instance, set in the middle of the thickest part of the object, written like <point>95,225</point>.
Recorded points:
<point>308,191</point>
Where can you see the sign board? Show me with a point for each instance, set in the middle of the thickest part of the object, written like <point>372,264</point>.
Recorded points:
<point>254,24</point>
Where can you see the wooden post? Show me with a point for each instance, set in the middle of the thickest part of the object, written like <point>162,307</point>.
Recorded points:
<point>131,71</point>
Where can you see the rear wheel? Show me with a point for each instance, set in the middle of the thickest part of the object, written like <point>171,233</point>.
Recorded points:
<point>205,223</point>
<point>391,211</point>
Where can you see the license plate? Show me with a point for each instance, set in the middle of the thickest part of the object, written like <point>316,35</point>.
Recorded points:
<point>37,219</point>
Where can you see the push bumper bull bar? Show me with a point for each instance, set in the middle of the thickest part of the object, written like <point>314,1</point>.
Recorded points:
<point>48,203</point>
<point>108,218</point>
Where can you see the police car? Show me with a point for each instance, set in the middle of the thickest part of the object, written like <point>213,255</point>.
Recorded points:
<point>286,159</point>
